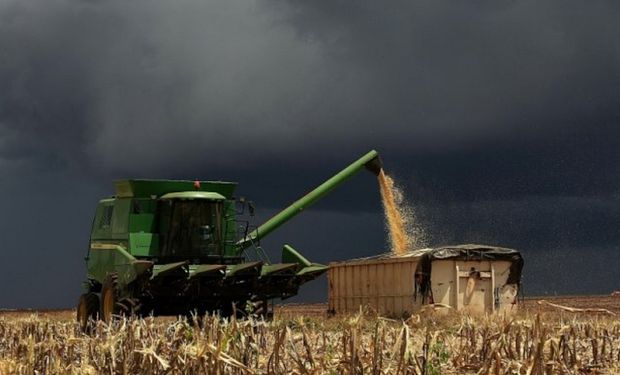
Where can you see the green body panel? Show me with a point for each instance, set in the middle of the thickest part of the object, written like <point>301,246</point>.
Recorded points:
<point>120,218</point>
<point>107,257</point>
<point>142,215</point>
<point>272,269</point>
<point>316,269</point>
<point>163,269</point>
<point>102,224</point>
<point>111,220</point>
<point>230,229</point>
<point>144,244</point>
<point>242,268</point>
<point>157,188</point>
<point>290,255</point>
<point>202,270</point>
<point>139,223</point>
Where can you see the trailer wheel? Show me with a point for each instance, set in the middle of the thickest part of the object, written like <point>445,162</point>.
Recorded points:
<point>88,308</point>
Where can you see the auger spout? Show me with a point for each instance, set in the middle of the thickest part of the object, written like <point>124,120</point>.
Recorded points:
<point>370,161</point>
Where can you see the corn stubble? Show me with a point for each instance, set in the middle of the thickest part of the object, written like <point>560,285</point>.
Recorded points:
<point>361,344</point>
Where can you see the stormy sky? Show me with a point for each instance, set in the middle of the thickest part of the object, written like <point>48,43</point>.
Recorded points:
<point>500,120</point>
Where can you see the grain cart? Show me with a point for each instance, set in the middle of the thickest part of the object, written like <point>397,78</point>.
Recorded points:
<point>472,278</point>
<point>167,247</point>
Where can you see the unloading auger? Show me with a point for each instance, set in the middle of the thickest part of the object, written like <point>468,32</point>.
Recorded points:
<point>167,247</point>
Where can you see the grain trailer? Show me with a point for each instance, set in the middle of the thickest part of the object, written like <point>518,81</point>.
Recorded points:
<point>471,278</point>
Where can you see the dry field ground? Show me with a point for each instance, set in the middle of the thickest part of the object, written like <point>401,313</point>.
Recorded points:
<point>302,339</point>
<point>530,304</point>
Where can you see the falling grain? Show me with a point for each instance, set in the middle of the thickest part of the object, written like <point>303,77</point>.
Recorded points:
<point>404,233</point>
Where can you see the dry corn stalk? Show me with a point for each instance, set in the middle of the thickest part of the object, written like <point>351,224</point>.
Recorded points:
<point>429,344</point>
<point>575,309</point>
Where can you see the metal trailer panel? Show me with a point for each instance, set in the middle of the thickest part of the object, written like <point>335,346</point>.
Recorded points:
<point>387,286</point>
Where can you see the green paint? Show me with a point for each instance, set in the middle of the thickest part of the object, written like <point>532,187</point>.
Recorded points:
<point>144,244</point>
<point>106,257</point>
<point>157,188</point>
<point>290,255</point>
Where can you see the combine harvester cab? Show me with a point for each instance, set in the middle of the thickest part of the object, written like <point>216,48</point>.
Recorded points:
<point>167,247</point>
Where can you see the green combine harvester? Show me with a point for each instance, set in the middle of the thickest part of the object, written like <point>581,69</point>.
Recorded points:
<point>166,247</point>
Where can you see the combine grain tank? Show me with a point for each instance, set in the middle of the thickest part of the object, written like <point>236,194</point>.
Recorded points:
<point>471,278</point>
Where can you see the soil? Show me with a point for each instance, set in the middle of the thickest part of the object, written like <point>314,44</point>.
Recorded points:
<point>610,302</point>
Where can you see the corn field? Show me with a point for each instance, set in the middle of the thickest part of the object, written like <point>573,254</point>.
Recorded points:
<point>546,343</point>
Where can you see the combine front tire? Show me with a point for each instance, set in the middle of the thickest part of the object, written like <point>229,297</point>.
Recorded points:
<point>109,298</point>
<point>112,304</point>
<point>88,308</point>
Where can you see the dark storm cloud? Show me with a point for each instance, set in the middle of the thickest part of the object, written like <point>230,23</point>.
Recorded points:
<point>493,114</point>
<point>141,84</point>
<point>497,98</point>
<point>146,86</point>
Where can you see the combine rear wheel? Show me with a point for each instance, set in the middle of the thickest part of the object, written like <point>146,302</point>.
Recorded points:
<point>88,308</point>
